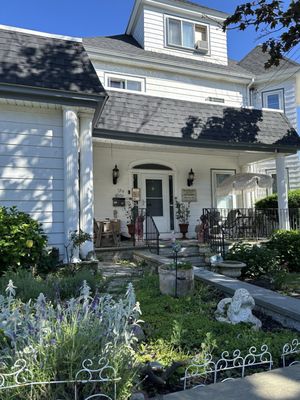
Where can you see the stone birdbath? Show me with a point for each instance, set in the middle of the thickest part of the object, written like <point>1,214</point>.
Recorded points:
<point>230,268</point>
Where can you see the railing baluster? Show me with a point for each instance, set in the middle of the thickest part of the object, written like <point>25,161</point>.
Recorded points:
<point>244,224</point>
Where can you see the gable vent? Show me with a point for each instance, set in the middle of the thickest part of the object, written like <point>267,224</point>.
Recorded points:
<point>216,99</point>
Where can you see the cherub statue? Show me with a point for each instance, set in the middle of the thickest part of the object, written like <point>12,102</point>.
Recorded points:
<point>238,309</point>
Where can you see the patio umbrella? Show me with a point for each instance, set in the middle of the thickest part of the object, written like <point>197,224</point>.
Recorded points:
<point>238,183</point>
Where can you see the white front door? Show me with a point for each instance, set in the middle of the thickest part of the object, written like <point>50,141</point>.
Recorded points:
<point>155,196</point>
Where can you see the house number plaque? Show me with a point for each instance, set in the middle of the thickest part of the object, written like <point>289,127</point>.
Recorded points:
<point>188,195</point>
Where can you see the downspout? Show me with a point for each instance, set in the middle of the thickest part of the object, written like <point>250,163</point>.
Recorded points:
<point>249,100</point>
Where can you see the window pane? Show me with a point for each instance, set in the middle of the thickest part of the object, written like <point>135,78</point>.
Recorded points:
<point>115,83</point>
<point>153,188</point>
<point>188,35</point>
<point>273,101</point>
<point>134,85</point>
<point>155,207</point>
<point>174,34</point>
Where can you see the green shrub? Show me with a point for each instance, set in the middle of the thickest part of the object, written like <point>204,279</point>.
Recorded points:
<point>287,245</point>
<point>272,200</point>
<point>259,260</point>
<point>22,239</point>
<point>59,286</point>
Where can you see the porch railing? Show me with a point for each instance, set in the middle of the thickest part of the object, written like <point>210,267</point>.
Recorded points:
<point>227,225</point>
<point>145,229</point>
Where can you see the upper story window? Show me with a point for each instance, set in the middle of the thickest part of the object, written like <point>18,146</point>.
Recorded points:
<point>186,34</point>
<point>273,99</point>
<point>122,82</point>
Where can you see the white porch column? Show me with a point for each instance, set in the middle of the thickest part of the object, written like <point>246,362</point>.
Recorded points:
<point>86,181</point>
<point>283,208</point>
<point>71,181</point>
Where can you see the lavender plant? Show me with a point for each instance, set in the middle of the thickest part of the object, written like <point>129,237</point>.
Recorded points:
<point>54,340</point>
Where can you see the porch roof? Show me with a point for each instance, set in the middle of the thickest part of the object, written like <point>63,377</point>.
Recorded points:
<point>130,116</point>
<point>37,66</point>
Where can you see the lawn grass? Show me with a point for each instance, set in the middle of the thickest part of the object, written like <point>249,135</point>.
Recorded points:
<point>291,284</point>
<point>180,328</point>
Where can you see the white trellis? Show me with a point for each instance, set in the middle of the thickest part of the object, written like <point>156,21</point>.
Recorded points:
<point>291,351</point>
<point>208,371</point>
<point>18,376</point>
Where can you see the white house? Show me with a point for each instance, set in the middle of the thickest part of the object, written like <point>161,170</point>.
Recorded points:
<point>167,100</point>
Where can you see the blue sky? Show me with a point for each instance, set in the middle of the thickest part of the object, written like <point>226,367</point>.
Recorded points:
<point>100,17</point>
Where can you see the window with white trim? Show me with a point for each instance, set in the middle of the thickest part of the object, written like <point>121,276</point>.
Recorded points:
<point>273,99</point>
<point>122,82</point>
<point>187,34</point>
<point>273,174</point>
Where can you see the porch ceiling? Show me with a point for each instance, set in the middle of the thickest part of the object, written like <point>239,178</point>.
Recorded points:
<point>243,157</point>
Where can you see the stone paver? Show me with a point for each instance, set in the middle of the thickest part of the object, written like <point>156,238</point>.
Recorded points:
<point>285,306</point>
<point>279,384</point>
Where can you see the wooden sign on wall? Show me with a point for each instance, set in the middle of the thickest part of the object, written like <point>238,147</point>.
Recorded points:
<point>188,195</point>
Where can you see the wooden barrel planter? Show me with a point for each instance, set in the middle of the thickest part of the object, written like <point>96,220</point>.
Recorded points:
<point>167,281</point>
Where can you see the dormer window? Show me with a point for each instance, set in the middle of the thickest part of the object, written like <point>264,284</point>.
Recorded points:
<point>186,34</point>
<point>273,99</point>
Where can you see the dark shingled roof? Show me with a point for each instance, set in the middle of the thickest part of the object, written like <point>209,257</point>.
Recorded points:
<point>45,62</point>
<point>140,114</point>
<point>127,45</point>
<point>256,59</point>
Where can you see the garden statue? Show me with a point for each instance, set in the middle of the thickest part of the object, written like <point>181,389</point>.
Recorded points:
<point>238,309</point>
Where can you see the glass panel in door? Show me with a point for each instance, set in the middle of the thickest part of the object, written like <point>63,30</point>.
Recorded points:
<point>154,197</point>
<point>223,201</point>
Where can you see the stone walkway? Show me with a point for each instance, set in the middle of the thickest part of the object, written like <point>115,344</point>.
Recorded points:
<point>284,309</point>
<point>118,276</point>
<point>279,384</point>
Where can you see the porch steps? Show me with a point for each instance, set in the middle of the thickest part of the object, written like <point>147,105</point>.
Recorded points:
<point>189,252</point>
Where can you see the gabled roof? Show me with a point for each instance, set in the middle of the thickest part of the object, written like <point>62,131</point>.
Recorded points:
<point>195,122</point>
<point>127,45</point>
<point>256,59</point>
<point>199,6</point>
<point>41,62</point>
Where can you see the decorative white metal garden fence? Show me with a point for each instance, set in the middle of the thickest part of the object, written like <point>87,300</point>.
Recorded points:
<point>198,373</point>
<point>19,376</point>
<point>206,371</point>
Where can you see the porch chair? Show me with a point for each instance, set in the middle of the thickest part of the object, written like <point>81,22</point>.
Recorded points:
<point>110,229</point>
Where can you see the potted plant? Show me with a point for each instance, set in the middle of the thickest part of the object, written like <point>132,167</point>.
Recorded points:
<point>130,216</point>
<point>182,215</point>
<point>185,279</point>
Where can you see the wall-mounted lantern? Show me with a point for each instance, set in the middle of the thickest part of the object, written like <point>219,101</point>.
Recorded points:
<point>115,174</point>
<point>191,178</point>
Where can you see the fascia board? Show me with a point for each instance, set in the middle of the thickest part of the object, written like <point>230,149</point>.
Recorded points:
<point>185,69</point>
<point>188,9</point>
<point>133,16</point>
<point>172,141</point>
<point>49,96</point>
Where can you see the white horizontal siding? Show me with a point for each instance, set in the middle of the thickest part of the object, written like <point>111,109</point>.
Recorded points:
<point>154,38</point>
<point>31,166</point>
<point>292,162</point>
<point>177,86</point>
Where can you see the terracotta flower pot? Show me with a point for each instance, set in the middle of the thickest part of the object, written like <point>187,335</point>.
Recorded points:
<point>184,230</point>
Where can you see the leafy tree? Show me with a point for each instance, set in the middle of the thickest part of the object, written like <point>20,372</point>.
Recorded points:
<point>278,23</point>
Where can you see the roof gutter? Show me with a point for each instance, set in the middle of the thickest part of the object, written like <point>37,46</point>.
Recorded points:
<point>20,92</point>
<point>199,143</point>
